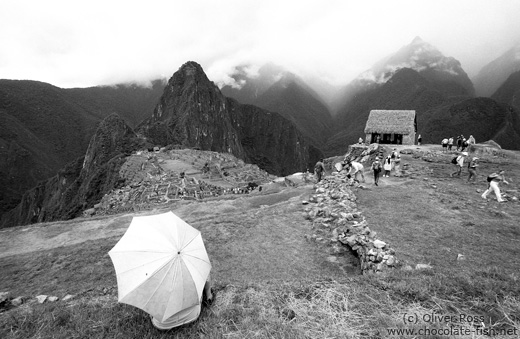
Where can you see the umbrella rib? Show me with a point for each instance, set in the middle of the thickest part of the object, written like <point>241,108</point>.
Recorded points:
<point>189,242</point>
<point>139,251</point>
<point>147,263</point>
<point>194,257</point>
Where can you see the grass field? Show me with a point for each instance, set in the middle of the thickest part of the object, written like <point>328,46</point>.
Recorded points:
<point>272,283</point>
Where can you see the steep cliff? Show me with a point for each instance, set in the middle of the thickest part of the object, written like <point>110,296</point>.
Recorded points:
<point>194,113</point>
<point>81,183</point>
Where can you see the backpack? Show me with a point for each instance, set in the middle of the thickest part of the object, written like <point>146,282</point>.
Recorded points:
<point>393,155</point>
<point>454,160</point>
<point>491,177</point>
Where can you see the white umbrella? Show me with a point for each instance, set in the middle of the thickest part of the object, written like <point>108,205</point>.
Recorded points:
<point>161,265</point>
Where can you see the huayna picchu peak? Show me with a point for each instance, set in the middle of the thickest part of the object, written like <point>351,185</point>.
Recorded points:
<point>193,112</point>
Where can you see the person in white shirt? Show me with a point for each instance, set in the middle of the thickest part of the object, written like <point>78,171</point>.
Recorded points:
<point>355,168</point>
<point>494,179</point>
<point>459,164</point>
<point>444,144</point>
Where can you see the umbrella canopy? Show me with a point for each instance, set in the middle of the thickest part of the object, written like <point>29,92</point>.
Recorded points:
<point>161,265</point>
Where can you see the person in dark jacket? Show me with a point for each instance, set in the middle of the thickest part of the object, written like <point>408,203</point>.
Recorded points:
<point>459,142</point>
<point>376,167</point>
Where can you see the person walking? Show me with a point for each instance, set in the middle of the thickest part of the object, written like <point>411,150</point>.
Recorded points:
<point>393,155</point>
<point>376,167</point>
<point>450,143</point>
<point>419,139</point>
<point>387,166</point>
<point>459,142</point>
<point>493,180</point>
<point>464,144</point>
<point>459,162</point>
<point>472,169</point>
<point>319,168</point>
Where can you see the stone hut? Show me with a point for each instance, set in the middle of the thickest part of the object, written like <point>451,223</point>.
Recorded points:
<point>391,127</point>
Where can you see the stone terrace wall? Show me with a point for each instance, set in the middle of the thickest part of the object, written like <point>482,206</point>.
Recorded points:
<point>336,221</point>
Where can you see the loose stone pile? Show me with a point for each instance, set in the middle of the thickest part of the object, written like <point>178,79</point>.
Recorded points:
<point>336,221</point>
<point>7,301</point>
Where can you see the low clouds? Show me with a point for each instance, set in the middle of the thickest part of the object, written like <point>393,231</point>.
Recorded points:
<point>104,42</point>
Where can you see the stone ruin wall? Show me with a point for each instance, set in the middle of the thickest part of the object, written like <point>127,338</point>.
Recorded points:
<point>336,219</point>
<point>148,184</point>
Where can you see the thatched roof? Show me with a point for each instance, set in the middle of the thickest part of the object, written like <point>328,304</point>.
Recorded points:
<point>391,121</point>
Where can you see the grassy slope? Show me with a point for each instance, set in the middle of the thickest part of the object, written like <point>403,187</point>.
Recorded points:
<point>311,299</point>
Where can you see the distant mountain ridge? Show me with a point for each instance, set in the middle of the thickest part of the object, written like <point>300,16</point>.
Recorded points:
<point>419,56</point>
<point>509,91</point>
<point>132,102</point>
<point>423,58</point>
<point>44,127</point>
<point>275,89</point>
<point>81,183</point>
<point>495,73</point>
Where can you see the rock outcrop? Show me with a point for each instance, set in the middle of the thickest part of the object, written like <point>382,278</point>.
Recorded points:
<point>194,113</point>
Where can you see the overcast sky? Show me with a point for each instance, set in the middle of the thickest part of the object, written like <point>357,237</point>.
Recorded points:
<point>86,43</point>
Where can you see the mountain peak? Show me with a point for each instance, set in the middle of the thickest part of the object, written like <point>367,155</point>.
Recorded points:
<point>422,57</point>
<point>417,40</point>
<point>190,70</point>
<point>191,67</point>
<point>191,75</point>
